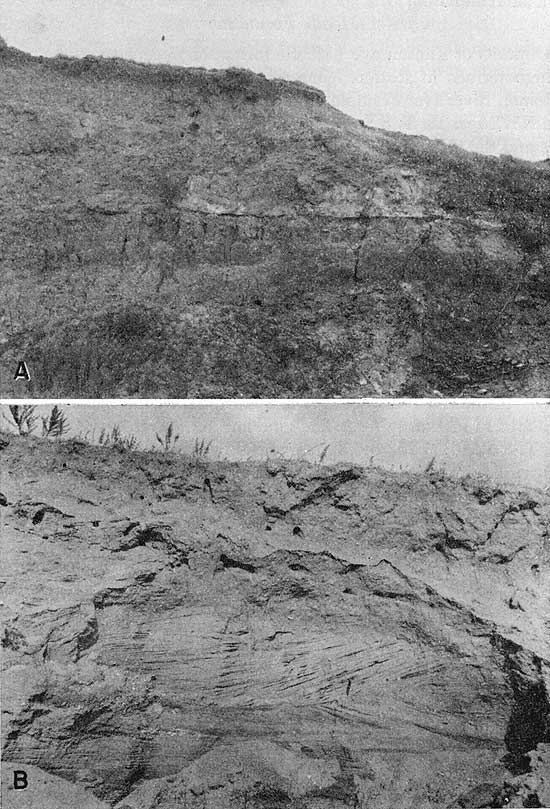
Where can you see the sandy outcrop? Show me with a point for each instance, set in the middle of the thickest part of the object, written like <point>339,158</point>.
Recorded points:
<point>281,634</point>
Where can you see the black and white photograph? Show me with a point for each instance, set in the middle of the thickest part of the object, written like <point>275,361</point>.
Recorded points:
<point>275,404</point>
<point>274,199</point>
<point>284,606</point>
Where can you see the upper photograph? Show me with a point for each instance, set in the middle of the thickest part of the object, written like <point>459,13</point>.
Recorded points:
<point>274,199</point>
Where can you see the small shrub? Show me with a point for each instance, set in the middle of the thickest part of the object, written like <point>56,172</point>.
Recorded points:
<point>24,418</point>
<point>56,424</point>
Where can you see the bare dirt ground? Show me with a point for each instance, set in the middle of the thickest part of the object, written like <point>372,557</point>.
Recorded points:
<point>187,634</point>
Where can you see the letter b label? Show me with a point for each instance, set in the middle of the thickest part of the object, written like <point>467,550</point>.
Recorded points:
<point>20,780</point>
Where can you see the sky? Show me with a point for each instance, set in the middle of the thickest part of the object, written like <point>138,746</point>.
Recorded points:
<point>471,72</point>
<point>508,441</point>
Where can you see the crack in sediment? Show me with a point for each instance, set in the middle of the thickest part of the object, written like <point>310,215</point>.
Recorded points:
<point>327,486</point>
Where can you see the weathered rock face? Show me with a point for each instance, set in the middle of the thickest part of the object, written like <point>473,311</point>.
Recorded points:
<point>265,635</point>
<point>330,256</point>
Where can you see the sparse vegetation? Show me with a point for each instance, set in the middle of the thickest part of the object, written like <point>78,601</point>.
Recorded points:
<point>201,449</point>
<point>115,439</point>
<point>169,440</point>
<point>23,417</point>
<point>56,424</point>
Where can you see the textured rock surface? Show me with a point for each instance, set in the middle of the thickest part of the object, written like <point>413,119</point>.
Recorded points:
<point>282,635</point>
<point>271,244</point>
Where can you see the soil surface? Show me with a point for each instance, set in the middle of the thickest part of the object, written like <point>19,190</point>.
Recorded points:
<point>179,633</point>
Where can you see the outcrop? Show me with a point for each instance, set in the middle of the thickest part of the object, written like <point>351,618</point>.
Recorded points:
<point>190,232</point>
<point>179,633</point>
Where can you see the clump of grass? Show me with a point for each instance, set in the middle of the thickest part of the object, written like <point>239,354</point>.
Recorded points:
<point>115,439</point>
<point>23,418</point>
<point>169,440</point>
<point>56,424</point>
<point>201,449</point>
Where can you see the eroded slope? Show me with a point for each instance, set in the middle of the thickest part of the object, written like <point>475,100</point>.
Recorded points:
<point>183,232</point>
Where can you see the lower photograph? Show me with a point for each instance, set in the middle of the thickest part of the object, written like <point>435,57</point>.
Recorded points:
<point>294,605</point>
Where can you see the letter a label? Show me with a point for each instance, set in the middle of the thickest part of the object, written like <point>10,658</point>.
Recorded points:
<point>22,371</point>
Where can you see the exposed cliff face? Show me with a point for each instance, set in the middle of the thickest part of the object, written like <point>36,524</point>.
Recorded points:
<point>266,635</point>
<point>216,233</point>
